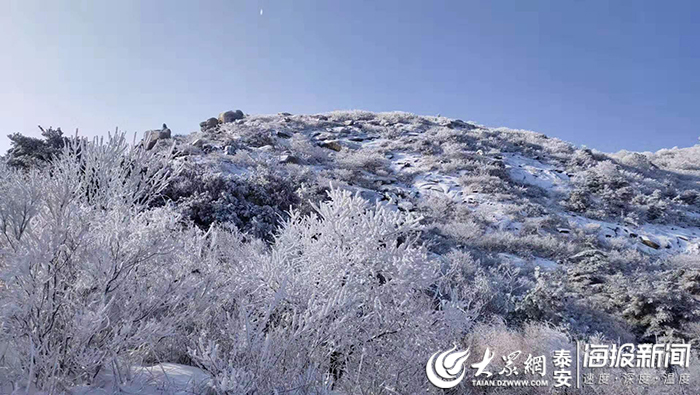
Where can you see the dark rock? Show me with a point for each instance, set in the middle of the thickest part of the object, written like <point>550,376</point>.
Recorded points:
<point>289,159</point>
<point>459,124</point>
<point>150,138</point>
<point>210,123</point>
<point>650,243</point>
<point>585,279</point>
<point>230,116</point>
<point>405,206</point>
<point>165,133</point>
<point>334,145</point>
<point>285,134</point>
<point>285,114</point>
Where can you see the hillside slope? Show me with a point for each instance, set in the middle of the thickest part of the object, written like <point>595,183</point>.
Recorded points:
<point>607,229</point>
<point>502,181</point>
<point>289,253</point>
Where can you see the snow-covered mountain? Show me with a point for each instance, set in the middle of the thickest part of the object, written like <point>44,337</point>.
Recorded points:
<point>447,169</point>
<point>334,253</point>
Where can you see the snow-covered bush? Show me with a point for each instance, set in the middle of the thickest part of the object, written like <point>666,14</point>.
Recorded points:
<point>344,290</point>
<point>482,288</point>
<point>369,161</point>
<point>582,159</point>
<point>254,201</point>
<point>308,152</point>
<point>483,183</point>
<point>546,246</point>
<point>620,294</point>
<point>86,268</point>
<point>602,175</point>
<point>608,190</point>
<point>97,275</point>
<point>254,134</point>
<point>635,159</point>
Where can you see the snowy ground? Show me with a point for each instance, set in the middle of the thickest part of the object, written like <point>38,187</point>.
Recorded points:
<point>535,172</point>
<point>161,379</point>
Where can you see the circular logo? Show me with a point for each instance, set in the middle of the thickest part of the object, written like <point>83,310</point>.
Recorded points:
<point>444,371</point>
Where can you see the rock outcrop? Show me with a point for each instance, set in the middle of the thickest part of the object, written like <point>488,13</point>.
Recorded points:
<point>151,137</point>
<point>209,124</point>
<point>230,116</point>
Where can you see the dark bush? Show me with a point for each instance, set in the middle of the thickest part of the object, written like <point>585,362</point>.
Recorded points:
<point>253,202</point>
<point>30,151</point>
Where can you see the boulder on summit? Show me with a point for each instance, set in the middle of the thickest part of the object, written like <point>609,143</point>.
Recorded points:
<point>230,116</point>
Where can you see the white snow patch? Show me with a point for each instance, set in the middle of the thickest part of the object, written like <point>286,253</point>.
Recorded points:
<point>670,238</point>
<point>542,263</point>
<point>164,378</point>
<point>441,184</point>
<point>535,172</point>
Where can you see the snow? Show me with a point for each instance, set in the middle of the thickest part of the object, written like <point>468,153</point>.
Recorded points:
<point>441,184</point>
<point>670,238</point>
<point>532,263</point>
<point>534,172</point>
<point>544,264</point>
<point>164,378</point>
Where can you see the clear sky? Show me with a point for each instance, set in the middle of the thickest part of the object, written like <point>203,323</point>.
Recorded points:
<point>606,74</point>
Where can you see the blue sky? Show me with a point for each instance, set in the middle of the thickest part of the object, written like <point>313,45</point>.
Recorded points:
<point>609,74</point>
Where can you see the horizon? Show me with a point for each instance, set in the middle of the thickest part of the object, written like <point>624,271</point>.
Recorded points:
<point>607,76</point>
